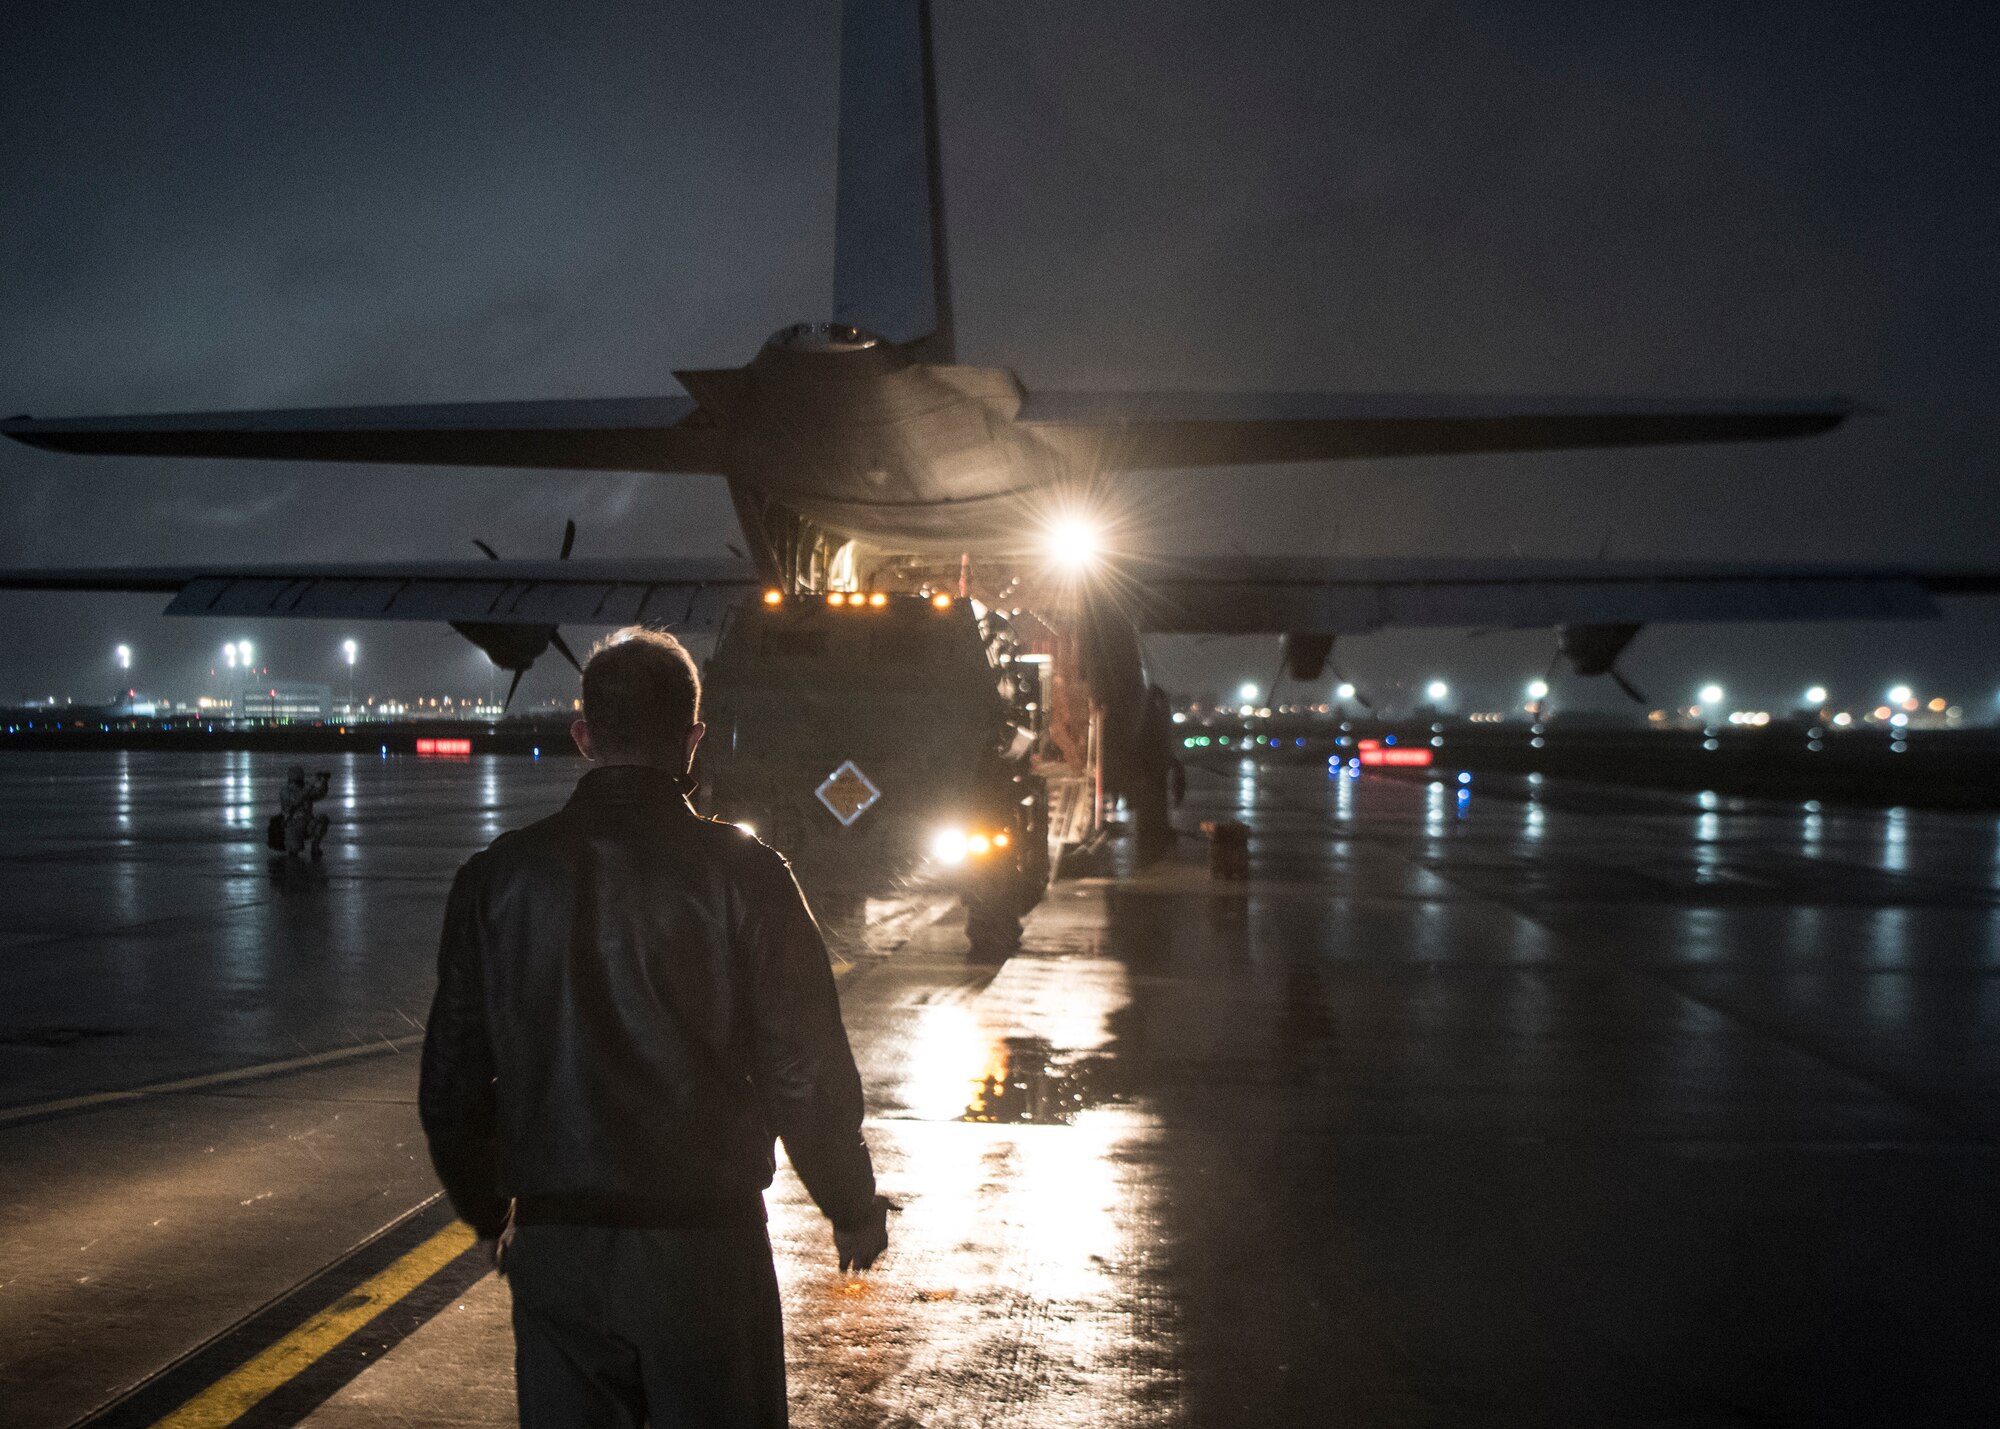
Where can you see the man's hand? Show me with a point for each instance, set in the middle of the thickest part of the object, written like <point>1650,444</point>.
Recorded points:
<point>495,1248</point>
<point>860,1244</point>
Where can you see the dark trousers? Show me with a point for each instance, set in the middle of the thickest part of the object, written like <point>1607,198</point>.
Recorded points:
<point>677,1329</point>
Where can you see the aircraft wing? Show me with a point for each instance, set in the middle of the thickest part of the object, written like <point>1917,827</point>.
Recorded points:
<point>1109,431</point>
<point>688,594</point>
<point>668,434</point>
<point>1248,595</point>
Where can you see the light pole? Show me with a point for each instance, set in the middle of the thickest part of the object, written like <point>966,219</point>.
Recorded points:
<point>349,650</point>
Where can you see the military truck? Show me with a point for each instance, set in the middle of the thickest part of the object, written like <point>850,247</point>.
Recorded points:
<point>883,742</point>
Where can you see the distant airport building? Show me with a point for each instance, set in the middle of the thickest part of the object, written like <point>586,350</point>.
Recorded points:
<point>282,702</point>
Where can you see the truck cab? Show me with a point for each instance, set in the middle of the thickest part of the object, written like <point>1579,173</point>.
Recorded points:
<point>882,742</point>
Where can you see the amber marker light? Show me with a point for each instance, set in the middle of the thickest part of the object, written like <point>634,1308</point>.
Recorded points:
<point>941,601</point>
<point>977,844</point>
<point>878,600</point>
<point>836,599</point>
<point>999,841</point>
<point>773,597</point>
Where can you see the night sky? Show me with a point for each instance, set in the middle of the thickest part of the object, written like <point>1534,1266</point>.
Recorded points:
<point>241,205</point>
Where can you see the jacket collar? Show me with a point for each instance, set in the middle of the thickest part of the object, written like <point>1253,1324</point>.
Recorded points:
<point>633,784</point>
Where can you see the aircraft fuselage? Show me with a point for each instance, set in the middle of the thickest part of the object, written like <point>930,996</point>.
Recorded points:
<point>863,439</point>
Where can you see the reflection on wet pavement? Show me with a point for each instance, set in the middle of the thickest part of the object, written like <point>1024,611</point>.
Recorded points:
<point>1026,1079</point>
<point>1536,1105</point>
<point>1023,1286</point>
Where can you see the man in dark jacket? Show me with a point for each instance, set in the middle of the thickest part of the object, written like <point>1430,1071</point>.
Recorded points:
<point>632,1002</point>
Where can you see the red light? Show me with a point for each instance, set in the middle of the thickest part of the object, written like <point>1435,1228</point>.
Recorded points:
<point>444,746</point>
<point>1373,754</point>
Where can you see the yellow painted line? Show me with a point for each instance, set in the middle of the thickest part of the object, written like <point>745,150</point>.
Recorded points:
<point>232,1396</point>
<point>213,1079</point>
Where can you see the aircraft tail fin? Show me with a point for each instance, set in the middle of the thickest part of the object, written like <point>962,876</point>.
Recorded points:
<point>891,275</point>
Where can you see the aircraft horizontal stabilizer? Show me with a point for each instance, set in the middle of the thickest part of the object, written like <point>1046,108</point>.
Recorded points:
<point>1249,595</point>
<point>665,434</point>
<point>1109,431</point>
<point>688,595</point>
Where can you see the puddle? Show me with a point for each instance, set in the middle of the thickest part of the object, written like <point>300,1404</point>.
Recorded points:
<point>1028,1080</point>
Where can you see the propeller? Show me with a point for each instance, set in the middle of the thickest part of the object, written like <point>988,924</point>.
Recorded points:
<point>513,646</point>
<point>1359,697</point>
<point>1549,682</point>
<point>1593,650</point>
<point>1306,656</point>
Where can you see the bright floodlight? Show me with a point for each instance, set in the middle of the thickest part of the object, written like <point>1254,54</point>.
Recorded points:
<point>1711,694</point>
<point>949,846</point>
<point>1345,692</point>
<point>1538,689</point>
<point>1899,694</point>
<point>1816,695</point>
<point>349,649</point>
<point>1073,543</point>
<point>1248,694</point>
<point>243,653</point>
<point>1437,689</point>
<point>124,657</point>
<point>229,655</point>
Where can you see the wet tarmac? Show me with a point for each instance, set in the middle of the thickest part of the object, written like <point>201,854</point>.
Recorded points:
<point>1544,1104</point>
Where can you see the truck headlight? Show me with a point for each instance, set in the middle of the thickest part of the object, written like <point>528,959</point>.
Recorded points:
<point>949,846</point>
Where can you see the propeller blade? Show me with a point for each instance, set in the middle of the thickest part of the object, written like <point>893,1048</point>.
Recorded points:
<point>1359,698</point>
<point>562,648</point>
<point>1549,684</point>
<point>491,554</point>
<point>510,690</point>
<point>1626,685</point>
<point>569,539</point>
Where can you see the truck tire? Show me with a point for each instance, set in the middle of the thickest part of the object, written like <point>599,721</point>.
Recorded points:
<point>992,927</point>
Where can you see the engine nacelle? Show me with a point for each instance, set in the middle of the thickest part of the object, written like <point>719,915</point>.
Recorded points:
<point>509,647</point>
<point>1305,654</point>
<point>1594,649</point>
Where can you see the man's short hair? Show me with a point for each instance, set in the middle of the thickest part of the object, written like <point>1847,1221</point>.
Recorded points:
<point>641,693</point>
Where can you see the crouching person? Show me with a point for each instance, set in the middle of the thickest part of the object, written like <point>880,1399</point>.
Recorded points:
<point>632,1002</point>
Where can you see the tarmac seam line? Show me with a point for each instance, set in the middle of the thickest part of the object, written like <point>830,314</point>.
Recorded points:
<point>211,1079</point>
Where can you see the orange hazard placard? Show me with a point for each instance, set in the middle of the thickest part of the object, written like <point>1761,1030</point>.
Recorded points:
<point>848,793</point>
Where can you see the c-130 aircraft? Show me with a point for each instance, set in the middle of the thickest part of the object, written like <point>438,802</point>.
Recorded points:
<point>859,452</point>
